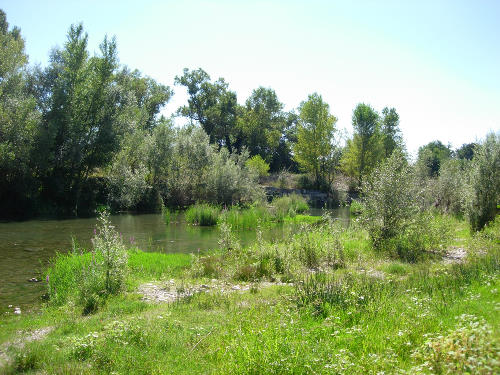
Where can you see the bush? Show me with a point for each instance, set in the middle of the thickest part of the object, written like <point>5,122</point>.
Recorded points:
<point>258,166</point>
<point>356,207</point>
<point>90,277</point>
<point>485,188</point>
<point>450,190</point>
<point>202,214</point>
<point>390,199</point>
<point>392,214</point>
<point>471,348</point>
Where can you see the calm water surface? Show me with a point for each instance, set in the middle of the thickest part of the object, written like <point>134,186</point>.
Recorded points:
<point>26,247</point>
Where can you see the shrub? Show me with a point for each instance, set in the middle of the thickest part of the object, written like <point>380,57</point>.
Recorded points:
<point>485,189</point>
<point>356,207</point>
<point>390,199</point>
<point>90,277</point>
<point>392,214</point>
<point>258,166</point>
<point>470,348</point>
<point>227,239</point>
<point>424,234</point>
<point>450,190</point>
<point>202,214</point>
<point>227,180</point>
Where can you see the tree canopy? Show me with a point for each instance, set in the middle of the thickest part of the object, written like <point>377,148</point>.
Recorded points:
<point>315,131</point>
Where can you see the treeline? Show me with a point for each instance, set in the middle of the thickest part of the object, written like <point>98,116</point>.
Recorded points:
<point>86,131</point>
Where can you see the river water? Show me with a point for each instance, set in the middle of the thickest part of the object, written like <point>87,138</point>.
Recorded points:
<point>27,247</point>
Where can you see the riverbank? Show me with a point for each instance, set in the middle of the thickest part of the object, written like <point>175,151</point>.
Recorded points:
<point>322,301</point>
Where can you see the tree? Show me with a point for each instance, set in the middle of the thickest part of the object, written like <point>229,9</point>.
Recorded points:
<point>213,106</point>
<point>262,123</point>
<point>391,134</point>
<point>80,128</point>
<point>18,121</point>
<point>315,131</point>
<point>466,151</point>
<point>141,99</point>
<point>365,150</point>
<point>485,195</point>
<point>431,156</point>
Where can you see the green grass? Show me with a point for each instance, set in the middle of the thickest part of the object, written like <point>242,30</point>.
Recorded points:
<point>248,218</point>
<point>288,205</point>
<point>284,209</point>
<point>303,219</point>
<point>345,320</point>
<point>202,214</point>
<point>144,265</point>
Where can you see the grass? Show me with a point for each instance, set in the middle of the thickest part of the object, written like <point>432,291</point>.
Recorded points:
<point>248,218</point>
<point>283,209</point>
<point>339,318</point>
<point>202,214</point>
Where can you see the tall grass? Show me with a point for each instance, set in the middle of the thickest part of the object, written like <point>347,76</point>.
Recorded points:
<point>202,214</point>
<point>248,218</point>
<point>289,205</point>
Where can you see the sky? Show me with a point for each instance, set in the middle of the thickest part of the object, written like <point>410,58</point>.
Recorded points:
<point>436,62</point>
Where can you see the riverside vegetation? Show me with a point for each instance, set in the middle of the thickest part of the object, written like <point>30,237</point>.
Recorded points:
<point>408,290</point>
<point>411,285</point>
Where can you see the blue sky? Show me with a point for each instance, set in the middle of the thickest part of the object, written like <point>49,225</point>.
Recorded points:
<point>436,62</point>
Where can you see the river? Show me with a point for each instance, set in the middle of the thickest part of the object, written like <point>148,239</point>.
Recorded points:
<point>27,247</point>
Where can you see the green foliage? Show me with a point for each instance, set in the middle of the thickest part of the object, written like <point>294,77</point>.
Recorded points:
<point>466,151</point>
<point>390,197</point>
<point>18,121</point>
<point>485,179</point>
<point>144,265</point>
<point>227,239</point>
<point>80,129</point>
<point>450,188</point>
<point>262,123</point>
<point>366,149</point>
<point>391,134</point>
<point>90,277</point>
<point>246,218</point>
<point>202,214</point>
<point>356,207</point>
<point>258,165</point>
<point>392,214</point>
<point>212,105</point>
<point>315,131</point>
<point>288,205</point>
<point>469,348</point>
<point>431,157</point>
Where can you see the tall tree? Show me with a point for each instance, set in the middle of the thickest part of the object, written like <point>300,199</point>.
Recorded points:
<point>466,151</point>
<point>80,128</point>
<point>262,123</point>
<point>391,134</point>
<point>18,121</point>
<point>141,99</point>
<point>431,157</point>
<point>315,131</point>
<point>213,105</point>
<point>365,149</point>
